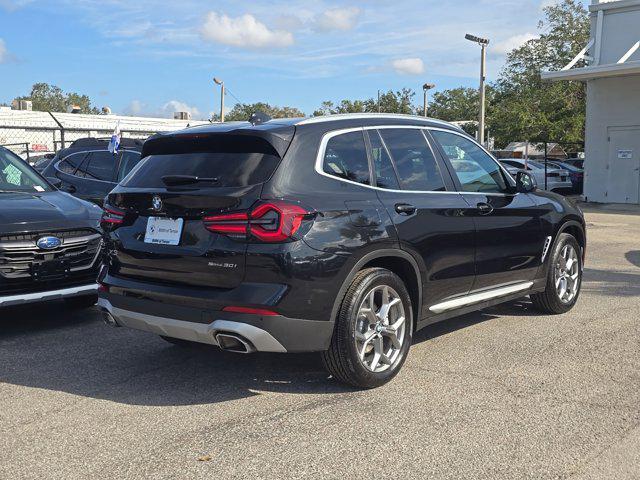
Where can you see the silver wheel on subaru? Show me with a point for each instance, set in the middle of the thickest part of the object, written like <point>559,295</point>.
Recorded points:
<point>380,329</point>
<point>567,274</point>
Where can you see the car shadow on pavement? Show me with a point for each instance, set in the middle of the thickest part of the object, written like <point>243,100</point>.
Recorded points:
<point>611,283</point>
<point>50,347</point>
<point>633,257</point>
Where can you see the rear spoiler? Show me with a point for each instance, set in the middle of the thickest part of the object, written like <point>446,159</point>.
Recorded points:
<point>269,139</point>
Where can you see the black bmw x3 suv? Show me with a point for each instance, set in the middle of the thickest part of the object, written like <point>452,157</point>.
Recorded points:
<point>341,234</point>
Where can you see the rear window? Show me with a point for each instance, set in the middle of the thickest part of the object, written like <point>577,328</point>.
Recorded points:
<point>231,169</point>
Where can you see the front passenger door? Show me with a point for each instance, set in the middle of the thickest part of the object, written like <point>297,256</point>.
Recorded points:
<point>509,235</point>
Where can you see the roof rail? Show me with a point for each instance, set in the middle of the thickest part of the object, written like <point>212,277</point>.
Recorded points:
<point>356,116</point>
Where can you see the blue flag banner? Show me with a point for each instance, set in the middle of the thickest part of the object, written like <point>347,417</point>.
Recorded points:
<point>114,144</point>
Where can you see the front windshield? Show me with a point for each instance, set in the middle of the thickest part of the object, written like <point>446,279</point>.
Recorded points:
<point>17,176</point>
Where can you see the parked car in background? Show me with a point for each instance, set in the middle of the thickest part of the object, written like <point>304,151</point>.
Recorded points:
<point>50,242</point>
<point>557,178</point>
<point>89,171</point>
<point>576,175</point>
<point>40,162</point>
<point>576,162</point>
<point>341,234</point>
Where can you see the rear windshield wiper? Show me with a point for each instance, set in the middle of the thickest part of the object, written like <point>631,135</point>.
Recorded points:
<point>187,179</point>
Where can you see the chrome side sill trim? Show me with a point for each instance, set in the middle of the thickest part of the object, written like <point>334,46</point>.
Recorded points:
<point>479,297</point>
<point>48,295</point>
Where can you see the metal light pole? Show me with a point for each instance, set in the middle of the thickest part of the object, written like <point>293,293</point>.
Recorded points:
<point>221,83</point>
<point>483,42</point>
<point>426,87</point>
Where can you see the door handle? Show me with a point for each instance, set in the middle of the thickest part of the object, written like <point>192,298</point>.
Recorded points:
<point>70,189</point>
<point>405,209</point>
<point>484,208</point>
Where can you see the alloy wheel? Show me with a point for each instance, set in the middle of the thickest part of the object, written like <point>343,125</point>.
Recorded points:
<point>567,274</point>
<point>380,329</point>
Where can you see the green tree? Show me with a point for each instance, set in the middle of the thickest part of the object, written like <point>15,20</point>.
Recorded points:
<point>242,111</point>
<point>51,98</point>
<point>399,101</point>
<point>525,107</point>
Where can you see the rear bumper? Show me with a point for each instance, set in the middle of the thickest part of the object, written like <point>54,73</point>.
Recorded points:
<point>264,333</point>
<point>553,184</point>
<point>24,298</point>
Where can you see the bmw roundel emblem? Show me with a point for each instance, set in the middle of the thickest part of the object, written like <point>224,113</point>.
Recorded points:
<point>156,203</point>
<point>48,243</point>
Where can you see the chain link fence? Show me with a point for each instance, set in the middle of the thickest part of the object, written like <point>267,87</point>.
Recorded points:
<point>48,140</point>
<point>34,134</point>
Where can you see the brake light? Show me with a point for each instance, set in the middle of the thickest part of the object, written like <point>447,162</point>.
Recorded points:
<point>233,223</point>
<point>270,222</point>
<point>111,217</point>
<point>251,311</point>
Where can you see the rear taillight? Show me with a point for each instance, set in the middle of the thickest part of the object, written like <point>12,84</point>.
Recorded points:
<point>271,222</point>
<point>111,217</point>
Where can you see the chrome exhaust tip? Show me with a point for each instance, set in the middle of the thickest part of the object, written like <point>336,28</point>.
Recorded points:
<point>234,343</point>
<point>109,319</point>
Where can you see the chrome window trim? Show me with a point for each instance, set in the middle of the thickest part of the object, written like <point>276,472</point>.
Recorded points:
<point>473,140</point>
<point>334,133</point>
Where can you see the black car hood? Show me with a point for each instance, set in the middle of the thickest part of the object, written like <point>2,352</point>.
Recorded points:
<point>35,212</point>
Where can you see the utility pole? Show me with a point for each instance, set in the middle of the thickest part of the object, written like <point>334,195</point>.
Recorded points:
<point>378,101</point>
<point>483,75</point>
<point>483,42</point>
<point>221,83</point>
<point>425,88</point>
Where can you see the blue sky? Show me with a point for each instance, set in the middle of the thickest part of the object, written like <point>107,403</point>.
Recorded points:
<point>149,57</point>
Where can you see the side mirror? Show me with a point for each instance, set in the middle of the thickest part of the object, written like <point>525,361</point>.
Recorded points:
<point>525,182</point>
<point>55,181</point>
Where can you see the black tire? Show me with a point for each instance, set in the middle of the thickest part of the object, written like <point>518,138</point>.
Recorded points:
<point>84,301</point>
<point>549,301</point>
<point>179,342</point>
<point>342,359</point>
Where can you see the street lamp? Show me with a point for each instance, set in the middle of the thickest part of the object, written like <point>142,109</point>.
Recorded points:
<point>221,83</point>
<point>483,42</point>
<point>426,87</point>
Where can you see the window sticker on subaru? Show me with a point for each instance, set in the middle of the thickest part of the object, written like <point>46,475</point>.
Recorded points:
<point>163,231</point>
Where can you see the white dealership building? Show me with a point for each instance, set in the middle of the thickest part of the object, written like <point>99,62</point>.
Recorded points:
<point>612,74</point>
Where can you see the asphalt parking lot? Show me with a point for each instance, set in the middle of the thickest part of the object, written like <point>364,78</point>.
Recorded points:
<point>503,393</point>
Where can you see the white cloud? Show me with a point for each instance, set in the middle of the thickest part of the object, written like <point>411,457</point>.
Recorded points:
<point>511,43</point>
<point>172,106</point>
<point>136,107</point>
<point>243,31</point>
<point>408,66</point>
<point>12,5</point>
<point>342,19</point>
<point>4,54</point>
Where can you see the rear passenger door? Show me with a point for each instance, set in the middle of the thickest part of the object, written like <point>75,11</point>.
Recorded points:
<point>509,239</point>
<point>418,193</point>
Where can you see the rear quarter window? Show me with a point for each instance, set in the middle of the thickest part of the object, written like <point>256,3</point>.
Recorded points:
<point>345,156</point>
